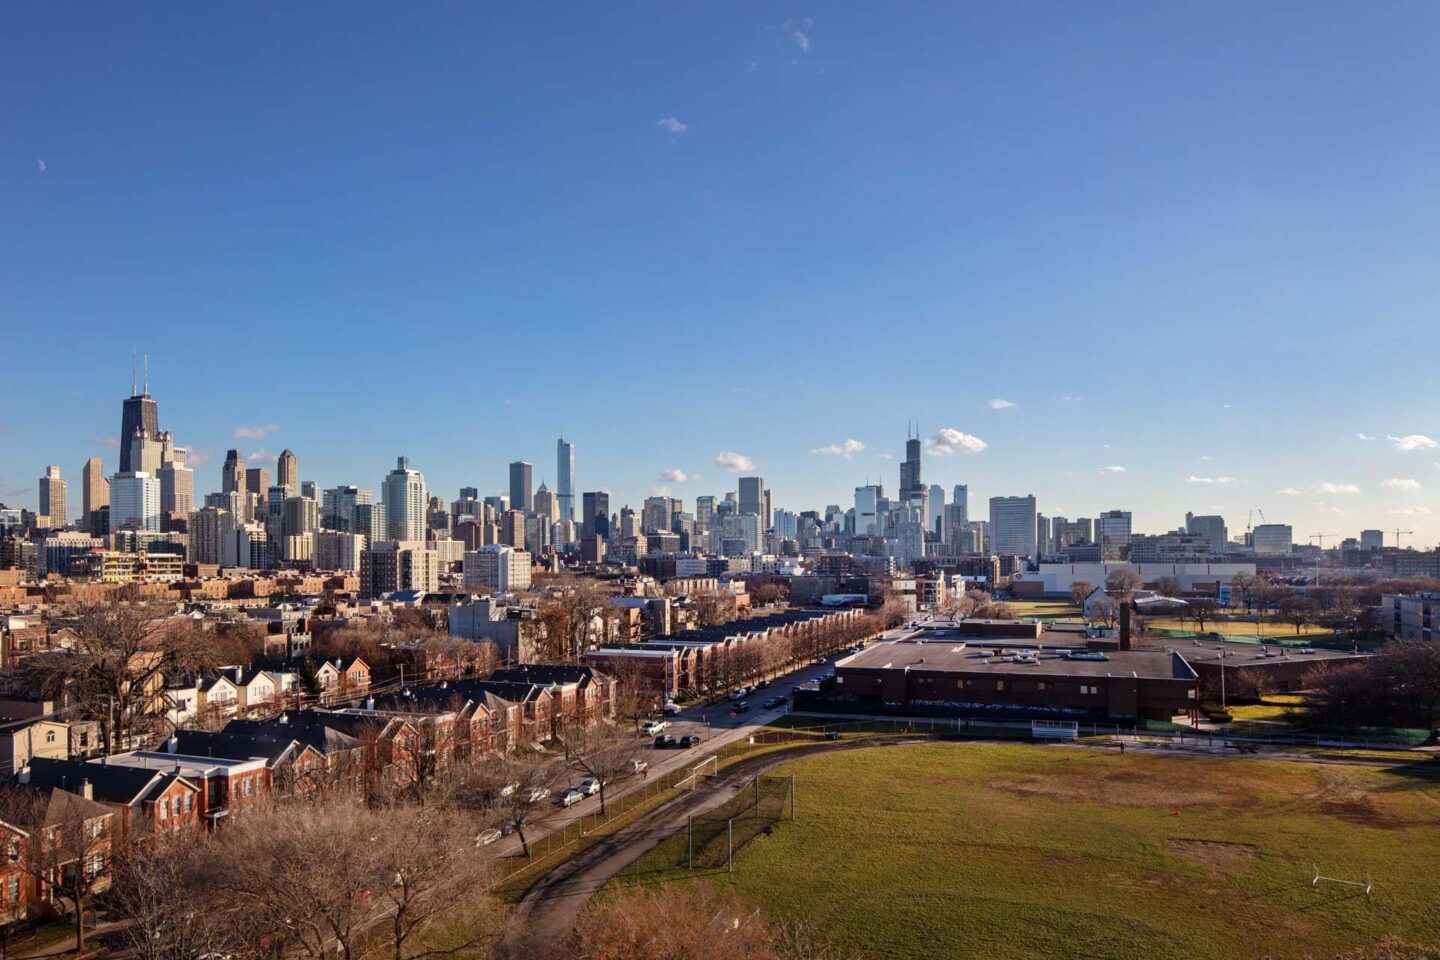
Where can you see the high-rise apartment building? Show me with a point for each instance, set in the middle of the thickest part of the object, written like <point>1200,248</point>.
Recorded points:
<point>257,482</point>
<point>405,500</point>
<point>935,510</point>
<point>867,510</point>
<point>547,505</point>
<point>499,568</point>
<point>95,492</point>
<point>338,551</point>
<point>704,512</point>
<point>52,500</point>
<point>1066,533</point>
<point>371,521</point>
<point>565,478</point>
<point>337,508</point>
<point>393,565</point>
<point>177,484</point>
<point>1272,539</point>
<point>1013,526</point>
<point>960,497</point>
<point>209,526</point>
<point>287,472</point>
<point>1372,539</point>
<point>134,501</point>
<point>521,497</point>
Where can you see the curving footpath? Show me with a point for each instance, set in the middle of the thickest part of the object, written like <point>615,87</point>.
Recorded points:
<point>547,911</point>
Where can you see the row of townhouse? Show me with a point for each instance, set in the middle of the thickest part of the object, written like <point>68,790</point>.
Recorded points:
<point>70,843</point>
<point>199,778</point>
<point>215,696</point>
<point>699,659</point>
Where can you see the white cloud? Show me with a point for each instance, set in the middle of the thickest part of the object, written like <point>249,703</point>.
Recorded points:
<point>674,476</point>
<point>885,456</point>
<point>261,454</point>
<point>946,441</point>
<point>1412,442</point>
<point>1069,399</point>
<point>802,41</point>
<point>509,402</point>
<point>1288,492</point>
<point>39,165</point>
<point>258,431</point>
<point>998,404</point>
<point>195,459</point>
<point>1205,457</point>
<point>672,125</point>
<point>734,462</point>
<point>1414,511</point>
<point>1401,483</point>
<point>1367,437</point>
<point>1114,468</point>
<point>847,449</point>
<point>1329,486</point>
<point>1194,479</point>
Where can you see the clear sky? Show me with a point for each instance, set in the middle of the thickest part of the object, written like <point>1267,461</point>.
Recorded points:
<point>1194,241</point>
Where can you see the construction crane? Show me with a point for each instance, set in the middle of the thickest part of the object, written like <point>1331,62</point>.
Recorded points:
<point>1399,534</point>
<point>1321,537</point>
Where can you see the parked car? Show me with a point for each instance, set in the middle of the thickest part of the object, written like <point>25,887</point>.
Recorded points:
<point>794,690</point>
<point>817,661</point>
<point>773,702</point>
<point>537,794</point>
<point>639,766</point>
<point>739,694</point>
<point>663,741</point>
<point>570,797</point>
<point>652,727</point>
<point>763,684</point>
<point>488,837</point>
<point>590,786</point>
<point>672,709</point>
<point>689,740</point>
<point>742,707</point>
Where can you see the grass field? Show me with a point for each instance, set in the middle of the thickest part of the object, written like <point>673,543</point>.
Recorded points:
<point>1049,609</point>
<point>1275,707</point>
<point>1022,851</point>
<point>1241,628</point>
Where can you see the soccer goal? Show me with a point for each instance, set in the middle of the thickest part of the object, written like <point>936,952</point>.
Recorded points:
<point>1054,729</point>
<point>1362,884</point>
<point>708,767</point>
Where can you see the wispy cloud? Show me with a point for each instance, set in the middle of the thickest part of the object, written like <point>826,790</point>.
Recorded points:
<point>672,125</point>
<point>39,165</point>
<point>674,476</point>
<point>1367,437</point>
<point>1113,468</point>
<point>1329,486</point>
<point>109,443</point>
<point>885,456</point>
<point>734,462</point>
<point>1068,398</point>
<point>1412,511</point>
<point>257,431</point>
<point>1412,442</point>
<point>946,441</point>
<point>1401,483</point>
<point>1205,457</point>
<point>195,459</point>
<point>846,449</point>
<point>802,41</point>
<point>256,455</point>
<point>1288,492</point>
<point>1194,479</point>
<point>509,402</point>
<point>998,404</point>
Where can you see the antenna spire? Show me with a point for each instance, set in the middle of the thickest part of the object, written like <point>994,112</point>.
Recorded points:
<point>147,374</point>
<point>132,372</point>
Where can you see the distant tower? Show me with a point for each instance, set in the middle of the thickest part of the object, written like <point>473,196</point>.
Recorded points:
<point>911,488</point>
<point>405,499</point>
<point>96,492</point>
<point>139,416</point>
<point>521,497</point>
<point>287,472</point>
<point>565,482</point>
<point>52,499</point>
<point>232,475</point>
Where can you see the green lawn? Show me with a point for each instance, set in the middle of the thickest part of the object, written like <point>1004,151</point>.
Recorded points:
<point>1049,609</point>
<point>1022,851</point>
<point>1241,628</point>
<point>1275,707</point>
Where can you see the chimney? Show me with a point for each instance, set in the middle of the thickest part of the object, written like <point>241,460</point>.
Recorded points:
<point>87,791</point>
<point>1125,625</point>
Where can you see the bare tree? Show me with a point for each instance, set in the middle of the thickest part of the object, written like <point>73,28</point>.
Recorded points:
<point>1201,610</point>
<point>603,750</point>
<point>1106,610</point>
<point>1079,590</point>
<point>514,788</point>
<point>1122,583</point>
<point>163,887</point>
<point>1297,610</point>
<point>1169,586</point>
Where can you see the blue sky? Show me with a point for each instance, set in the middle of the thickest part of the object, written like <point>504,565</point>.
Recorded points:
<point>680,229</point>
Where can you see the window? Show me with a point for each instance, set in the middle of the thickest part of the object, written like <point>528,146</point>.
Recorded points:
<point>94,865</point>
<point>999,684</point>
<point>164,807</point>
<point>12,890</point>
<point>189,802</point>
<point>50,736</point>
<point>1089,689</point>
<point>97,827</point>
<point>245,786</point>
<point>1040,685</point>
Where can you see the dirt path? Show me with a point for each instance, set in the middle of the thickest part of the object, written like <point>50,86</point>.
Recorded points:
<point>547,911</point>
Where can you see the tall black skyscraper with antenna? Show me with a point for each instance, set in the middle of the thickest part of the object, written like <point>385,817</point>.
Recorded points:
<point>139,413</point>
<point>911,489</point>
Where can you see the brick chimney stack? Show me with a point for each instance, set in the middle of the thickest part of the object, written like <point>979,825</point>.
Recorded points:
<point>1125,625</point>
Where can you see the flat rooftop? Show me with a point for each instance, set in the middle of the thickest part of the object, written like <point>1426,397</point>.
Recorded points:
<point>987,658</point>
<point>1240,655</point>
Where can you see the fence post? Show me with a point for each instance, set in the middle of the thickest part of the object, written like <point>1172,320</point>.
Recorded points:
<point>757,793</point>
<point>690,846</point>
<point>792,796</point>
<point>730,844</point>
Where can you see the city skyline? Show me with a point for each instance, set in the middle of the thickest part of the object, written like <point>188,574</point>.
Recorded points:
<point>1139,282</point>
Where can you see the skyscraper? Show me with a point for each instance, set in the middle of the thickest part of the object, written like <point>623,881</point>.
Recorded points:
<point>596,509</point>
<point>257,482</point>
<point>1213,529</point>
<point>912,490</point>
<point>405,500</point>
<point>95,493</point>
<point>521,497</point>
<point>287,472</point>
<point>52,499</point>
<point>232,474</point>
<point>1112,532</point>
<point>565,478</point>
<point>867,505</point>
<point>752,495</point>
<point>139,415</point>
<point>960,496</point>
<point>935,509</point>
<point>1013,526</point>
